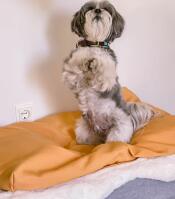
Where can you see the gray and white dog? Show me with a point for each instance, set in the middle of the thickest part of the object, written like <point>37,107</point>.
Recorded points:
<point>91,73</point>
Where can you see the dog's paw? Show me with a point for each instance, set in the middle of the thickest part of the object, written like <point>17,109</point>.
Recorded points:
<point>116,136</point>
<point>91,65</point>
<point>90,69</point>
<point>102,84</point>
<point>73,78</point>
<point>95,75</point>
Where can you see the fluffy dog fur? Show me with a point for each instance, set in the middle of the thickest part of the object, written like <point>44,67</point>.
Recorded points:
<point>91,73</point>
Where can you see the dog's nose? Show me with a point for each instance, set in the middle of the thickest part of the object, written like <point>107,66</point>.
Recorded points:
<point>97,11</point>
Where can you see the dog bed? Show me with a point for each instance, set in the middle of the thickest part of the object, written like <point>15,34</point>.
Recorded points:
<point>101,184</point>
<point>44,153</point>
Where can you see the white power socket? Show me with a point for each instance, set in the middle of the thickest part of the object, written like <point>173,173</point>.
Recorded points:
<point>24,112</point>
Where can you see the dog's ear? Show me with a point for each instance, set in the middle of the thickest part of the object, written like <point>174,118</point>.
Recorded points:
<point>77,24</point>
<point>118,24</point>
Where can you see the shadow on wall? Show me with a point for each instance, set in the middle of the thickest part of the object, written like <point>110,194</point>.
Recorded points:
<point>47,73</point>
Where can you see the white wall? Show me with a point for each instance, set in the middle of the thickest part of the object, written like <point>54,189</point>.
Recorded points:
<point>35,37</point>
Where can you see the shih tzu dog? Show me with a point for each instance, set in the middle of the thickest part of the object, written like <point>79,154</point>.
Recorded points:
<point>91,73</point>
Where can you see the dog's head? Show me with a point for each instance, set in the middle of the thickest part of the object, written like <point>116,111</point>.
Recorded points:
<point>98,21</point>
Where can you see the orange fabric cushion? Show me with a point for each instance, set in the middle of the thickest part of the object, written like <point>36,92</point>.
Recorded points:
<point>44,153</point>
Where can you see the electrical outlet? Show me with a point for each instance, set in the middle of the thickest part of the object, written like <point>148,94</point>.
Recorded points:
<point>24,112</point>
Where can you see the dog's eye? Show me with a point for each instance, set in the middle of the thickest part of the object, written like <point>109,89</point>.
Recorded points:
<point>90,8</point>
<point>107,10</point>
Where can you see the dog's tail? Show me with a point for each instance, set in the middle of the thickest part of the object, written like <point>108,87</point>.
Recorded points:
<point>140,114</point>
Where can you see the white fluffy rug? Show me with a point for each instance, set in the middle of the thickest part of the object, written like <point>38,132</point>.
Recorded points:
<point>102,183</point>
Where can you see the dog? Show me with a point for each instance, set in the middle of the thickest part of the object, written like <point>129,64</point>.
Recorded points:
<point>90,72</point>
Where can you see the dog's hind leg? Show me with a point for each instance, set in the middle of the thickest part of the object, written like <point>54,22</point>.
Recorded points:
<point>85,135</point>
<point>122,130</point>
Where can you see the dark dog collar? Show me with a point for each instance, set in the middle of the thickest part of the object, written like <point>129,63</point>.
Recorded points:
<point>86,43</point>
